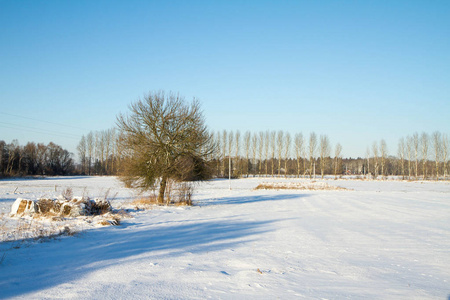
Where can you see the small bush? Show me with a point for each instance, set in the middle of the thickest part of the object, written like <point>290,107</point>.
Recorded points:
<point>67,193</point>
<point>178,194</point>
<point>46,205</point>
<point>185,192</point>
<point>67,231</point>
<point>100,207</point>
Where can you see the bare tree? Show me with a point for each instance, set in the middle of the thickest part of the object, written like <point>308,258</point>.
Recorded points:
<point>107,141</point>
<point>113,149</point>
<point>266,149</point>
<point>368,162</point>
<point>237,138</point>
<point>298,142</point>
<point>218,139</point>
<point>90,149</point>
<point>312,152</point>
<point>415,139</point>
<point>424,144</point>
<point>409,151</point>
<point>101,150</point>
<point>230,149</point>
<point>13,157</point>
<point>304,158</point>
<point>445,147</point>
<point>401,155</point>
<point>337,159</point>
<point>287,152</point>
<point>383,153</point>
<point>375,157</point>
<point>324,153</point>
<point>273,146</point>
<point>96,151</point>
<point>162,133</point>
<point>82,149</point>
<point>247,137</point>
<point>280,149</point>
<point>254,150</point>
<point>41,158</point>
<point>437,146</point>
<point>260,150</point>
<point>224,150</point>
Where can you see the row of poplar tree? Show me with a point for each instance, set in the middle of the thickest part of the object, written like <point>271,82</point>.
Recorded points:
<point>277,153</point>
<point>98,153</point>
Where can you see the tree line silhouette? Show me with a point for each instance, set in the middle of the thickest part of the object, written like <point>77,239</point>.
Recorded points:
<point>34,159</point>
<point>268,153</point>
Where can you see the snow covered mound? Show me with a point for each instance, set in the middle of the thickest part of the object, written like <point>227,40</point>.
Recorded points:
<point>78,206</point>
<point>23,206</point>
<point>311,186</point>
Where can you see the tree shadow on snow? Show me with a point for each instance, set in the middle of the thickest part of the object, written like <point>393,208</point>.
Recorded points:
<point>8,200</point>
<point>53,263</point>
<point>249,199</point>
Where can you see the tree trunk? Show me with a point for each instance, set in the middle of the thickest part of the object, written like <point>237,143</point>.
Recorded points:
<point>335,168</point>
<point>162,190</point>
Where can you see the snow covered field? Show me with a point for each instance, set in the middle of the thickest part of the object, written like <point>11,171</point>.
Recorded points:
<point>379,240</point>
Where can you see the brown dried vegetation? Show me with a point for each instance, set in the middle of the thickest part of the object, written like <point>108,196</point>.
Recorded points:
<point>310,186</point>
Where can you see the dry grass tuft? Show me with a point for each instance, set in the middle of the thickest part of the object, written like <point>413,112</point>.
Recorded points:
<point>45,206</point>
<point>309,186</point>
<point>67,231</point>
<point>145,202</point>
<point>100,207</point>
<point>104,223</point>
<point>123,214</point>
<point>113,220</point>
<point>180,195</point>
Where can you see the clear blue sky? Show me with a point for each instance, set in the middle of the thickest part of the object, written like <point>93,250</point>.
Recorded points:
<point>358,71</point>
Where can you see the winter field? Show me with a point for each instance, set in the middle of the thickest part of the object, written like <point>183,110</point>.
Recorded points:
<point>372,240</point>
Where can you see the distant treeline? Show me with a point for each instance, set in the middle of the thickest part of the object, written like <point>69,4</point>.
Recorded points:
<point>269,153</point>
<point>277,153</point>
<point>34,159</point>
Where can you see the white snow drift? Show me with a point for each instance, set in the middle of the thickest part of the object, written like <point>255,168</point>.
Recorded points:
<point>382,240</point>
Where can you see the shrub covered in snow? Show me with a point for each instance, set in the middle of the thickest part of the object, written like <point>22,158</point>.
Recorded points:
<point>23,206</point>
<point>78,206</point>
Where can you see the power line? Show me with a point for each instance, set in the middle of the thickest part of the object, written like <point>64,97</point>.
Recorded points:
<point>48,122</point>
<point>47,132</point>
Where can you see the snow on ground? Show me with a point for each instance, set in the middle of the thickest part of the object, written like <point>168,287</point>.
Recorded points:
<point>381,239</point>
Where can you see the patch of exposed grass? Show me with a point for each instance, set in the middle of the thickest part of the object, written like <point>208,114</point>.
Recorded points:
<point>144,202</point>
<point>310,186</point>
